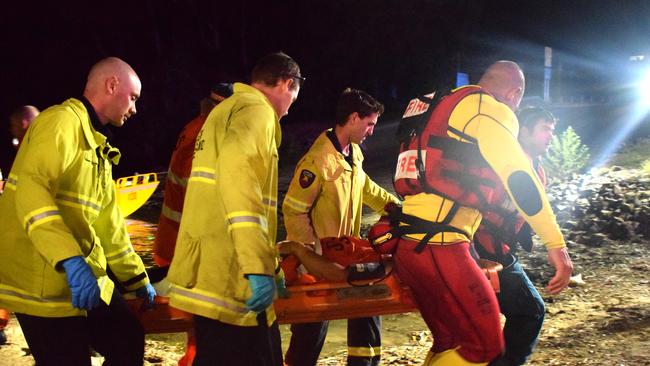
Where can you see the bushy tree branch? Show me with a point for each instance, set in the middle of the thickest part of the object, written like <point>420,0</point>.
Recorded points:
<point>566,156</point>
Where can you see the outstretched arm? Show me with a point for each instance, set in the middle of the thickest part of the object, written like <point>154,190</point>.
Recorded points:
<point>316,264</point>
<point>495,129</point>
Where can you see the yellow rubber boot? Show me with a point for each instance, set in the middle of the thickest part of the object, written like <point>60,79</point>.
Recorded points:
<point>449,357</point>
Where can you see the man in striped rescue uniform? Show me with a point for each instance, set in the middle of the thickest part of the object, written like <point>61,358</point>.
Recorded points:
<point>64,230</point>
<point>225,258</point>
<point>325,199</point>
<point>180,166</point>
<point>175,185</point>
<point>497,238</point>
<point>452,293</point>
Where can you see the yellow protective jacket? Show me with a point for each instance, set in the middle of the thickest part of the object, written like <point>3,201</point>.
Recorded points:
<point>59,202</point>
<point>326,195</point>
<point>495,128</point>
<point>229,221</point>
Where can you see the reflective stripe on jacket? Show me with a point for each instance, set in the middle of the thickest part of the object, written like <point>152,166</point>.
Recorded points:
<point>229,222</point>
<point>175,185</point>
<point>59,202</point>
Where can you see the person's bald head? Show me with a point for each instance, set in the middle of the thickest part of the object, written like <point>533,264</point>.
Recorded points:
<point>20,120</point>
<point>505,81</point>
<point>113,88</point>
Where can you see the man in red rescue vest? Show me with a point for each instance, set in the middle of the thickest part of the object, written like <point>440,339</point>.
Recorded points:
<point>175,185</point>
<point>496,240</point>
<point>471,147</point>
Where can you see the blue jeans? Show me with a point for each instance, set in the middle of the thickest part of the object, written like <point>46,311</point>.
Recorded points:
<point>523,308</point>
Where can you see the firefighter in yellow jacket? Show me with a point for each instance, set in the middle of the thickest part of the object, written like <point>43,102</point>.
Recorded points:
<point>325,199</point>
<point>225,258</point>
<point>64,230</point>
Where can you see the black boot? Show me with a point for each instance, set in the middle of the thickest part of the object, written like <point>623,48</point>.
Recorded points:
<point>3,337</point>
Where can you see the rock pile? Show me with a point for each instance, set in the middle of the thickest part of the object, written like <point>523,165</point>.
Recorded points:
<point>609,204</point>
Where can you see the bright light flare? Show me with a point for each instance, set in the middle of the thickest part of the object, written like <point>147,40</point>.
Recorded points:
<point>644,89</point>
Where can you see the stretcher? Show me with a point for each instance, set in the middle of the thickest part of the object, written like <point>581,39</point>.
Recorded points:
<point>372,289</point>
<point>306,303</point>
<point>134,191</point>
<point>314,302</point>
<point>331,301</point>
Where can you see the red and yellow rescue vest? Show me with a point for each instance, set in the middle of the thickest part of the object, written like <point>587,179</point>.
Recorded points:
<point>432,162</point>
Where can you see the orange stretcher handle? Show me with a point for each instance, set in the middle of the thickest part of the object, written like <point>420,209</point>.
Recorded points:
<point>491,269</point>
<point>4,318</point>
<point>310,303</point>
<point>162,318</point>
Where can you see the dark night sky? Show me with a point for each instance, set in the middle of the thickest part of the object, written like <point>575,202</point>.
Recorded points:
<point>392,49</point>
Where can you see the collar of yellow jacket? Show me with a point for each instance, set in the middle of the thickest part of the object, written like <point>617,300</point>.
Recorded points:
<point>245,88</point>
<point>96,140</point>
<point>325,149</point>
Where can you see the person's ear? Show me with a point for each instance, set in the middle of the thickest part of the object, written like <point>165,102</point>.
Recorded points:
<point>353,117</point>
<point>111,84</point>
<point>514,94</point>
<point>286,84</point>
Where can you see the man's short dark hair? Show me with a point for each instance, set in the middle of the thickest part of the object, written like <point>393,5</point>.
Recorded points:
<point>353,100</point>
<point>529,116</point>
<point>274,67</point>
<point>222,89</point>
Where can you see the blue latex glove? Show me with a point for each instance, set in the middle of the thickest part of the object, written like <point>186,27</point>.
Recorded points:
<point>147,292</point>
<point>263,292</point>
<point>82,283</point>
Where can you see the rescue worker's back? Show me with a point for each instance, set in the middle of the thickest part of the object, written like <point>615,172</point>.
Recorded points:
<point>221,238</point>
<point>495,128</point>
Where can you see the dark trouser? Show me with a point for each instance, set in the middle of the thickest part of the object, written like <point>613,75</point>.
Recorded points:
<point>523,308</point>
<point>364,342</point>
<point>112,330</point>
<point>306,343</point>
<point>219,343</point>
